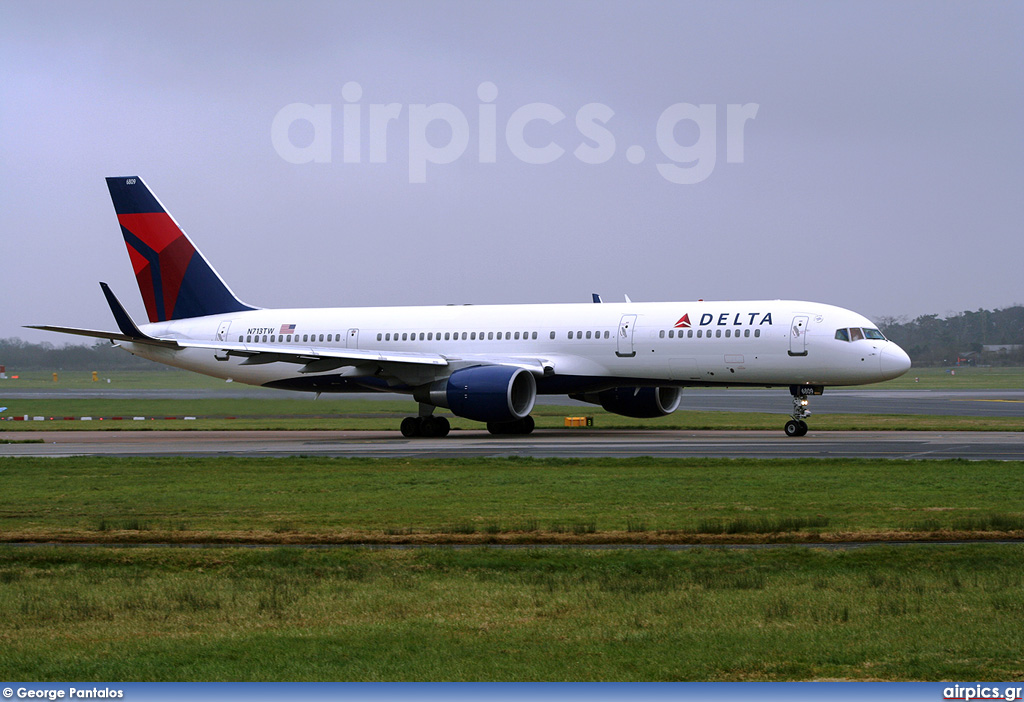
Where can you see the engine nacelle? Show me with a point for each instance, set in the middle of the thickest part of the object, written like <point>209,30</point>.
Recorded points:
<point>485,393</point>
<point>642,403</point>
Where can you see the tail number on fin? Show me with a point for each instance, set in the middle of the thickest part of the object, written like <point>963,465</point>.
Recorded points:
<point>129,181</point>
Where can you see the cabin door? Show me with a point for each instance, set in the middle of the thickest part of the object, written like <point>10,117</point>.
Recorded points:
<point>624,344</point>
<point>798,337</point>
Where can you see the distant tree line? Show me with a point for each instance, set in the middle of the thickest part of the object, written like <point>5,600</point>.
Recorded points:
<point>19,356</point>
<point>973,338</point>
<point>929,339</point>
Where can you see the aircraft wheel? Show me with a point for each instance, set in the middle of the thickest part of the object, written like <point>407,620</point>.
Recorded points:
<point>803,427</point>
<point>793,428</point>
<point>527,424</point>
<point>436,426</point>
<point>497,428</point>
<point>410,427</point>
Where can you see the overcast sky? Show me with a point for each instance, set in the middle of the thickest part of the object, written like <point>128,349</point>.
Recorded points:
<point>873,156</point>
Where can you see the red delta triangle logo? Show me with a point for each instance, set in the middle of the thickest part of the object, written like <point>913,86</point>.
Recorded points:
<point>684,322</point>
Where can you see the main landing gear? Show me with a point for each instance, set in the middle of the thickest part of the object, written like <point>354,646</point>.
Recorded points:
<point>425,425</point>
<point>797,426</point>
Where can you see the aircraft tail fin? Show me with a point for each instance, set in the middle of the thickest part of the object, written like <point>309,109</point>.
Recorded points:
<point>175,279</point>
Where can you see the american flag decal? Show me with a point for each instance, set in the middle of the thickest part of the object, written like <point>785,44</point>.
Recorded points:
<point>287,329</point>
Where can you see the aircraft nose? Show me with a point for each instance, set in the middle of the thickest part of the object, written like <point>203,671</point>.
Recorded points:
<point>895,361</point>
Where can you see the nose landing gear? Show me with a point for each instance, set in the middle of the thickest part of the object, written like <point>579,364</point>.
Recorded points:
<point>797,426</point>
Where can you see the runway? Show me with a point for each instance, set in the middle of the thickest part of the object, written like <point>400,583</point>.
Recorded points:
<point>547,443</point>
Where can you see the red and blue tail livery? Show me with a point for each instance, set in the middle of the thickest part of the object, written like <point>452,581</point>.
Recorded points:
<point>175,280</point>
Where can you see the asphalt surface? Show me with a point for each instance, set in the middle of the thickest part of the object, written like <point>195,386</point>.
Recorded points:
<point>560,443</point>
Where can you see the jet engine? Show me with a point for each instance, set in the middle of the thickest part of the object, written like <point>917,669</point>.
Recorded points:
<point>484,393</point>
<point>642,403</point>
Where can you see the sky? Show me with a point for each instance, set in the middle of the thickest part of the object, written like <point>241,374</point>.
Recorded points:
<point>864,154</point>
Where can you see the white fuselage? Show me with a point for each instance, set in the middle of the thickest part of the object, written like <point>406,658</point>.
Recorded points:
<point>580,347</point>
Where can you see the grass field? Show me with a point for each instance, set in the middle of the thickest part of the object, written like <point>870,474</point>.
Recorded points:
<point>646,500</point>
<point>928,612</point>
<point>879,613</point>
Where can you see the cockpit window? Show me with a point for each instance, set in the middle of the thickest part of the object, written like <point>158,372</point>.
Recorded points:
<point>856,334</point>
<point>843,334</point>
<point>874,334</point>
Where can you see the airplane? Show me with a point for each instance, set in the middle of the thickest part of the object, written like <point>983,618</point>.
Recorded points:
<point>486,363</point>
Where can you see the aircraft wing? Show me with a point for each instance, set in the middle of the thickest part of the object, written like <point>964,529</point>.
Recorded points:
<point>315,358</point>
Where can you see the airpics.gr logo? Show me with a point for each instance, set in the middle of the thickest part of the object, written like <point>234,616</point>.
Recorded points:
<point>738,319</point>
<point>493,131</point>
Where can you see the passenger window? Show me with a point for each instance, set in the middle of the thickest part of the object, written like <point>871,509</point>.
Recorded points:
<point>534,336</point>
<point>240,339</point>
<point>856,334</point>
<point>728,333</point>
<point>447,336</point>
<point>490,336</point>
<point>757,333</point>
<point>700,333</point>
<point>718,333</point>
<point>248,339</point>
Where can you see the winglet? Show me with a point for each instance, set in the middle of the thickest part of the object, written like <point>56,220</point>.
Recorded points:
<point>597,297</point>
<point>121,316</point>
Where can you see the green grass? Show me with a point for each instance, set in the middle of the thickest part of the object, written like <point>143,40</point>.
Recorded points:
<point>160,378</point>
<point>516,500</point>
<point>964,378</point>
<point>880,613</point>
